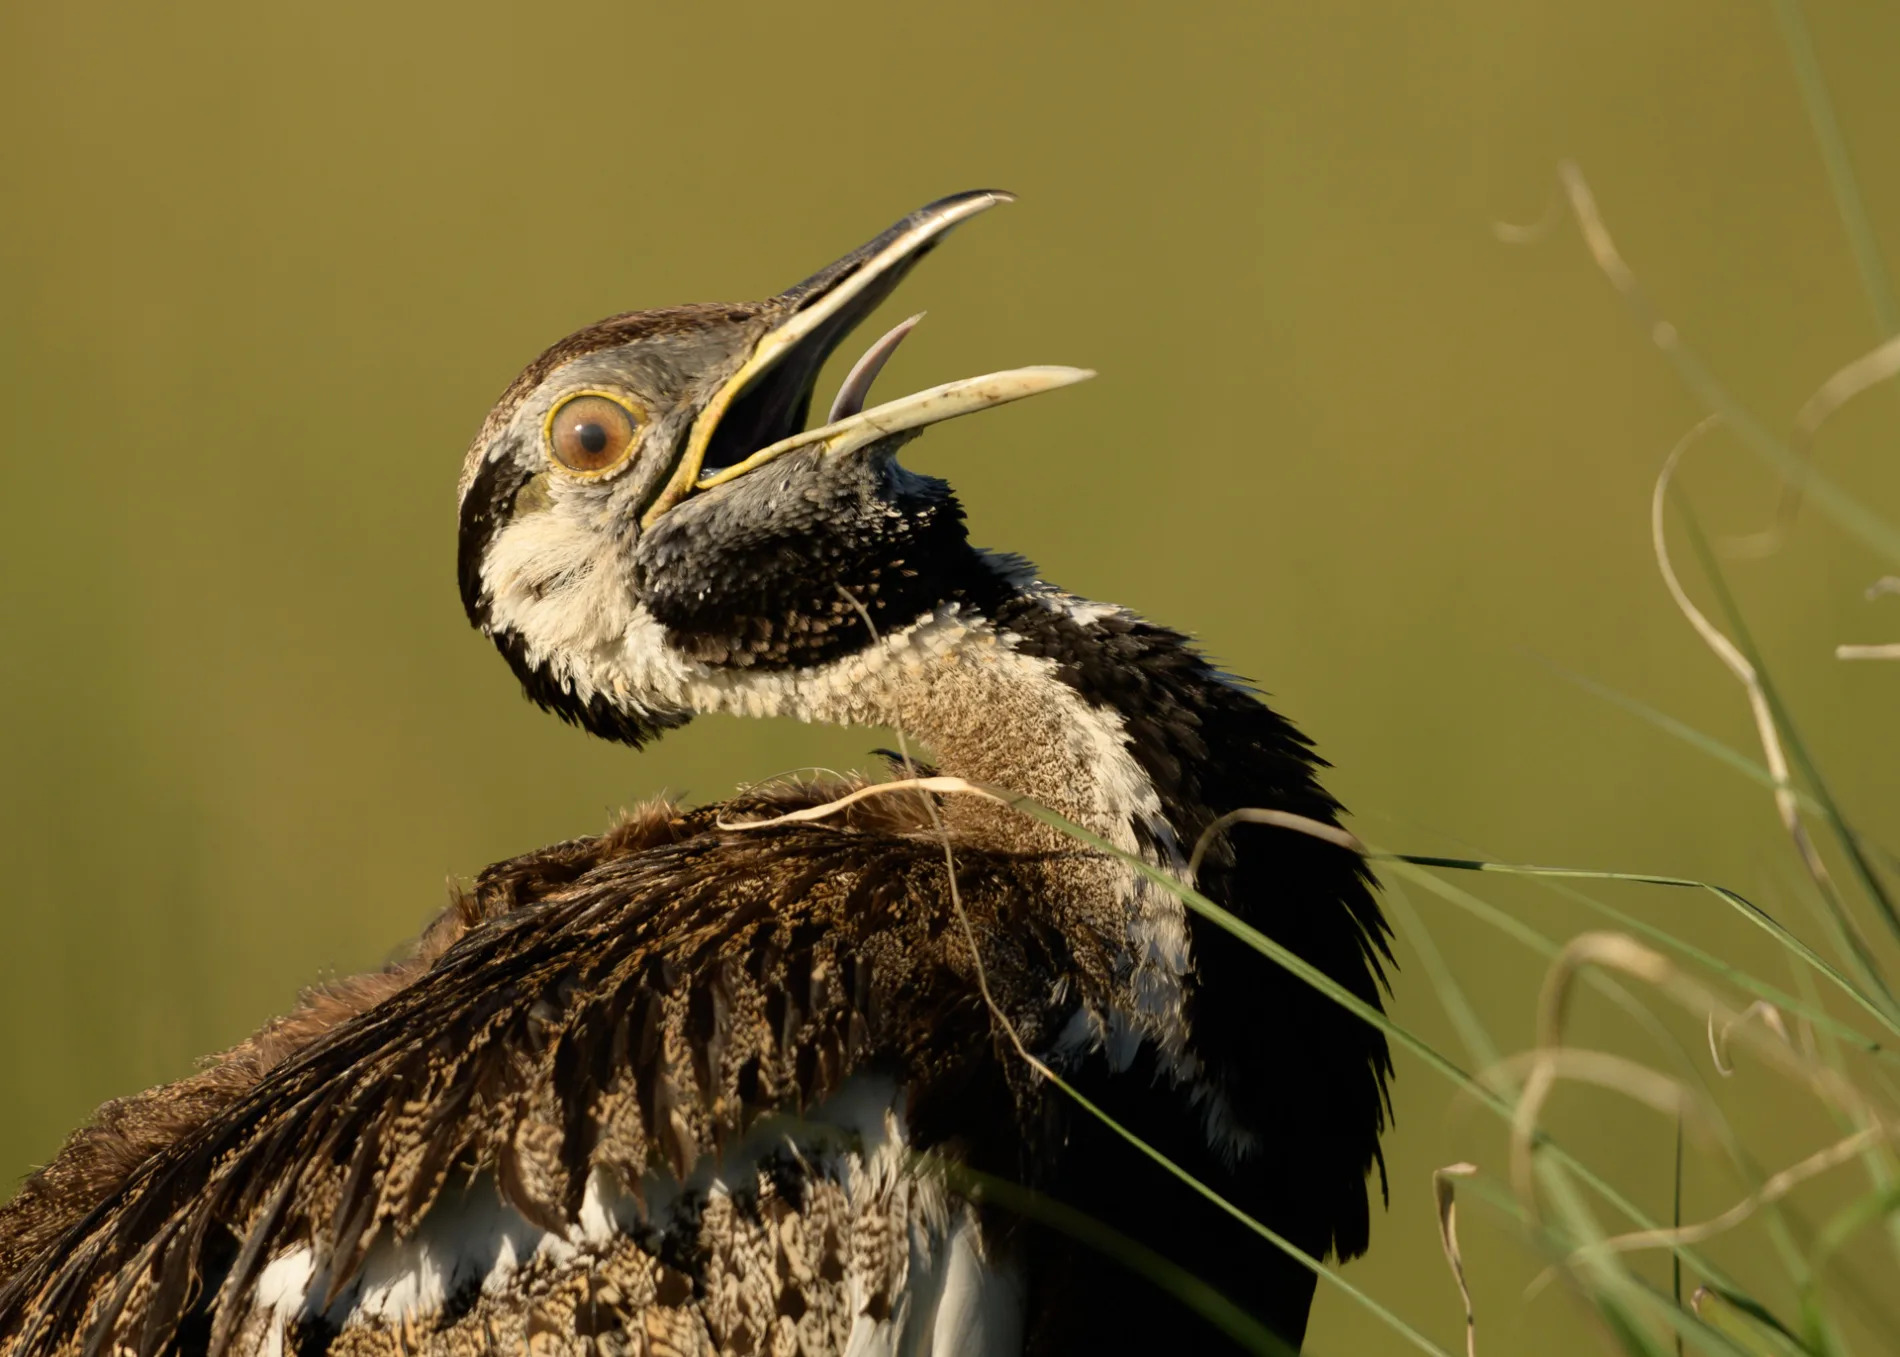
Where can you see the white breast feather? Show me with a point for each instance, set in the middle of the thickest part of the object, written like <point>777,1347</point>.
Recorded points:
<point>953,1301</point>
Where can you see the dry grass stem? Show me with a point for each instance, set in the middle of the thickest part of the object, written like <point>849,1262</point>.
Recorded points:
<point>1532,233</point>
<point>1718,1040</point>
<point>1542,1070</point>
<point>1843,507</point>
<point>1775,1188</point>
<point>1596,237</point>
<point>1605,1069</point>
<point>1279,819</point>
<point>1886,584</point>
<point>1551,1060</point>
<point>1444,1194</point>
<point>924,786</point>
<point>1868,370</point>
<point>1787,803</point>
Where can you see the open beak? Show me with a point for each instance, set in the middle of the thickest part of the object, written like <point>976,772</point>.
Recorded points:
<point>759,413</point>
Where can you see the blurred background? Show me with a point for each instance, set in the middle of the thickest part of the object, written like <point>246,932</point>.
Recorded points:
<point>266,267</point>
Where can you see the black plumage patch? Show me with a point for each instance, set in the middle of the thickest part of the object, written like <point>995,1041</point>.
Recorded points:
<point>487,505</point>
<point>770,571</point>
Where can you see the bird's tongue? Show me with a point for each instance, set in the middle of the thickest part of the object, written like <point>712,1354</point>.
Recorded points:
<point>857,382</point>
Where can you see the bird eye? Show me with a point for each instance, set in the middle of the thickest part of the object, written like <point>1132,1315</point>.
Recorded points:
<point>590,433</point>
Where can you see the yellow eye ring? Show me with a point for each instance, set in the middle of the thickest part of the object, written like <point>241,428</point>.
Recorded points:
<point>589,434</point>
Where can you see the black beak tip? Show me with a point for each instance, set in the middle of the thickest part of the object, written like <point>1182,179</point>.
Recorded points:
<point>994,195</point>
<point>956,206</point>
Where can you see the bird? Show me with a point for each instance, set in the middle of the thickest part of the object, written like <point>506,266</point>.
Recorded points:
<point>931,1061</point>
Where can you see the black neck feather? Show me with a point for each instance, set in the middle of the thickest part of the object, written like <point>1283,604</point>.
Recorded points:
<point>802,563</point>
<point>1304,1077</point>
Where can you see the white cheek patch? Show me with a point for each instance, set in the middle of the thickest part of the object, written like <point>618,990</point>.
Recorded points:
<point>559,584</point>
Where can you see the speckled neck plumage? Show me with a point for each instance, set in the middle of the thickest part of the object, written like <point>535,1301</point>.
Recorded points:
<point>847,593</point>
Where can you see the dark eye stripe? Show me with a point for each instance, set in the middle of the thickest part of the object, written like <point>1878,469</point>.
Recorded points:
<point>487,504</point>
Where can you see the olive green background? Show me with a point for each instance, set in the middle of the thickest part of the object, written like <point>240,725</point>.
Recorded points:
<point>266,266</point>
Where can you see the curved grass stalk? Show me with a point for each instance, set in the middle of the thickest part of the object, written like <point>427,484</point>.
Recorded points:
<point>1551,1060</point>
<point>1480,1047</point>
<point>1478,1043</point>
<point>1778,1186</point>
<point>1553,1157</point>
<point>1770,724</point>
<point>1784,722</point>
<point>1862,522</point>
<point>1687,1323</point>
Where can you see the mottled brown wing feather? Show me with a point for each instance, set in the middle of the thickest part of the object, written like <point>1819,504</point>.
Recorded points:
<point>630,1004</point>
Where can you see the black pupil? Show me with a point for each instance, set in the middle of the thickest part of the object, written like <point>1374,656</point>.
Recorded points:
<point>593,436</point>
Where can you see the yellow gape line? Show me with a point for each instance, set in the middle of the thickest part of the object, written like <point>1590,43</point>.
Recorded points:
<point>783,340</point>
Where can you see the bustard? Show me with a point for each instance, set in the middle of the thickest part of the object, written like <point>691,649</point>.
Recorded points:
<point>707,1084</point>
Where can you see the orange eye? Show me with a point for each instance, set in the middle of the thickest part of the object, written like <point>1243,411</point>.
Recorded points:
<point>590,434</point>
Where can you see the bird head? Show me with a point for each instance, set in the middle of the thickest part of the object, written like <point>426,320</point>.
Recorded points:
<point>645,520</point>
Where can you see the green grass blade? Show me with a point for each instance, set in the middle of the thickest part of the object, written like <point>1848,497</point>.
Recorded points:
<point>1432,1058</point>
<point>1874,279</point>
<point>1810,1011</point>
<point>1170,1276</point>
<point>1748,910</point>
<point>1791,737</point>
<point>1286,1246</point>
